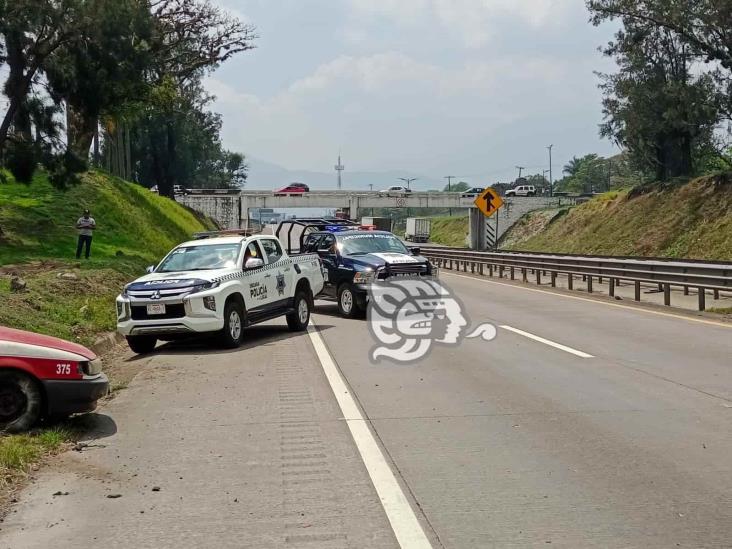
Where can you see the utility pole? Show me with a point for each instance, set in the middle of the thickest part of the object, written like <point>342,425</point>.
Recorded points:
<point>408,180</point>
<point>449,189</point>
<point>551,181</point>
<point>544,175</point>
<point>339,169</point>
<point>520,169</point>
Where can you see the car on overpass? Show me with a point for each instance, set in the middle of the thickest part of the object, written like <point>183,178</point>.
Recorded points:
<point>395,190</point>
<point>472,193</point>
<point>522,190</point>
<point>218,285</point>
<point>43,376</point>
<point>292,189</point>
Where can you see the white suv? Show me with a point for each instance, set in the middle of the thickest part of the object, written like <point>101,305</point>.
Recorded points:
<point>522,190</point>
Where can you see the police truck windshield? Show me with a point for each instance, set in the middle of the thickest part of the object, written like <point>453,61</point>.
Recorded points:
<point>366,243</point>
<point>201,258</point>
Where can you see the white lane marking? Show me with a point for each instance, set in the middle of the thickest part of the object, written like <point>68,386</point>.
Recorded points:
<point>547,342</point>
<point>404,523</point>
<point>596,301</point>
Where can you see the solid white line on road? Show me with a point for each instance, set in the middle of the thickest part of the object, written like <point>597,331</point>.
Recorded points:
<point>547,342</point>
<point>408,531</point>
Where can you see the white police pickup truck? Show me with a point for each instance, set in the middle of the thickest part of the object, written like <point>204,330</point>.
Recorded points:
<point>218,285</point>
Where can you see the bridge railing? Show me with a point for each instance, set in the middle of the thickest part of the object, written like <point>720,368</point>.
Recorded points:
<point>703,276</point>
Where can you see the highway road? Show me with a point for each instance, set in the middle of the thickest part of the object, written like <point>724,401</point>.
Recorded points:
<point>583,424</point>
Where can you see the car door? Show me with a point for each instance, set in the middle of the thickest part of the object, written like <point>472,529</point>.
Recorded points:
<point>255,288</point>
<point>279,275</point>
<point>330,263</point>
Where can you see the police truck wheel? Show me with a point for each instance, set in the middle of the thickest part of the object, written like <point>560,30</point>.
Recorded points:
<point>347,303</point>
<point>298,320</point>
<point>233,332</point>
<point>21,402</point>
<point>142,345</point>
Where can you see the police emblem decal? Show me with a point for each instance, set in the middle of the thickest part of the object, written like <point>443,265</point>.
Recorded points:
<point>281,283</point>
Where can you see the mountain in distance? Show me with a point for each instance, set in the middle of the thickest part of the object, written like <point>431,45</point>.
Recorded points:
<point>267,176</point>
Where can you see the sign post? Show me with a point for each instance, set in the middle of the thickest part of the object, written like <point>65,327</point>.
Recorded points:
<point>489,203</point>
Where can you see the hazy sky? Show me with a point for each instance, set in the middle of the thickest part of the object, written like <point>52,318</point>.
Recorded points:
<point>469,88</point>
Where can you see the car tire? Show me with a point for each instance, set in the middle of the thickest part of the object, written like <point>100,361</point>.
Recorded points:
<point>142,345</point>
<point>233,332</point>
<point>531,194</point>
<point>21,402</point>
<point>299,319</point>
<point>347,303</point>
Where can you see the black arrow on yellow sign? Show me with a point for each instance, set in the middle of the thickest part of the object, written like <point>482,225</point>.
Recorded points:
<point>489,202</point>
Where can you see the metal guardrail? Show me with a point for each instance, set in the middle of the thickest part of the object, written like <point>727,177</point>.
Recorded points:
<point>702,276</point>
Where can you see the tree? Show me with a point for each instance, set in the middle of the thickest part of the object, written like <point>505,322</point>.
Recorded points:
<point>191,38</point>
<point>103,67</point>
<point>655,107</point>
<point>701,24</point>
<point>457,187</point>
<point>589,173</point>
<point>702,27</point>
<point>540,182</point>
<point>571,167</point>
<point>30,32</point>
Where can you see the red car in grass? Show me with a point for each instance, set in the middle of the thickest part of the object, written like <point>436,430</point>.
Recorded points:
<point>292,188</point>
<point>45,377</point>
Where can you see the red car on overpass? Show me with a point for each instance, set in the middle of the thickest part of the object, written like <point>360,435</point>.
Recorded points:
<point>292,188</point>
<point>42,376</point>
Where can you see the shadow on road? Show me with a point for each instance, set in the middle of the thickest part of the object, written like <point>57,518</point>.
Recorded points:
<point>254,336</point>
<point>91,426</point>
<point>328,308</point>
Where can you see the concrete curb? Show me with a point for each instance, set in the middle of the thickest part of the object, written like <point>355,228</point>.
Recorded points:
<point>106,343</point>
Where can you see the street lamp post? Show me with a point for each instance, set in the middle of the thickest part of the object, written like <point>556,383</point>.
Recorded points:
<point>408,180</point>
<point>551,180</point>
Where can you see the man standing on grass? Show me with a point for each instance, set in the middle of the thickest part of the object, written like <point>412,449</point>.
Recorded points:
<point>86,226</point>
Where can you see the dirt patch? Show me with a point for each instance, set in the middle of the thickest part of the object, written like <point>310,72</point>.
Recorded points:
<point>30,268</point>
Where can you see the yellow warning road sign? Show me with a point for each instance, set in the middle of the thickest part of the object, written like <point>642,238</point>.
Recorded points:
<point>488,202</point>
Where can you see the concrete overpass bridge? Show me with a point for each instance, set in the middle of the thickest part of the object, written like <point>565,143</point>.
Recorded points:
<point>231,210</point>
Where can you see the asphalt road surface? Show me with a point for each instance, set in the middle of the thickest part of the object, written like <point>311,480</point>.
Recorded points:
<point>583,424</point>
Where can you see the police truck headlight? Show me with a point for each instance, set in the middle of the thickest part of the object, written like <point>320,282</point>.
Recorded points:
<point>364,277</point>
<point>123,311</point>
<point>209,302</point>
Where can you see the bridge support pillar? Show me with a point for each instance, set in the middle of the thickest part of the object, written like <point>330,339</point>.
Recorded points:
<point>476,232</point>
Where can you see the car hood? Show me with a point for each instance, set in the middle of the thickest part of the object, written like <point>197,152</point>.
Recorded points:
<point>29,338</point>
<point>183,279</point>
<point>376,260</point>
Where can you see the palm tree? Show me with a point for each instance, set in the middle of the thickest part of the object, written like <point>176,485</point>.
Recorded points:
<point>573,166</point>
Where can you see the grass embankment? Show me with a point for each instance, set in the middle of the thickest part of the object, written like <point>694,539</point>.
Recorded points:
<point>693,221</point>
<point>75,299</point>
<point>449,231</point>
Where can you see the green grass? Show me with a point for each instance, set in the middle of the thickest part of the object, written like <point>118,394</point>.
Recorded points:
<point>693,220</point>
<point>19,452</point>
<point>38,242</point>
<point>38,220</point>
<point>449,231</point>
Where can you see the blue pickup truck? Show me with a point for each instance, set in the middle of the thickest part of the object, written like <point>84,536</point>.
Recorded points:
<point>353,258</point>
